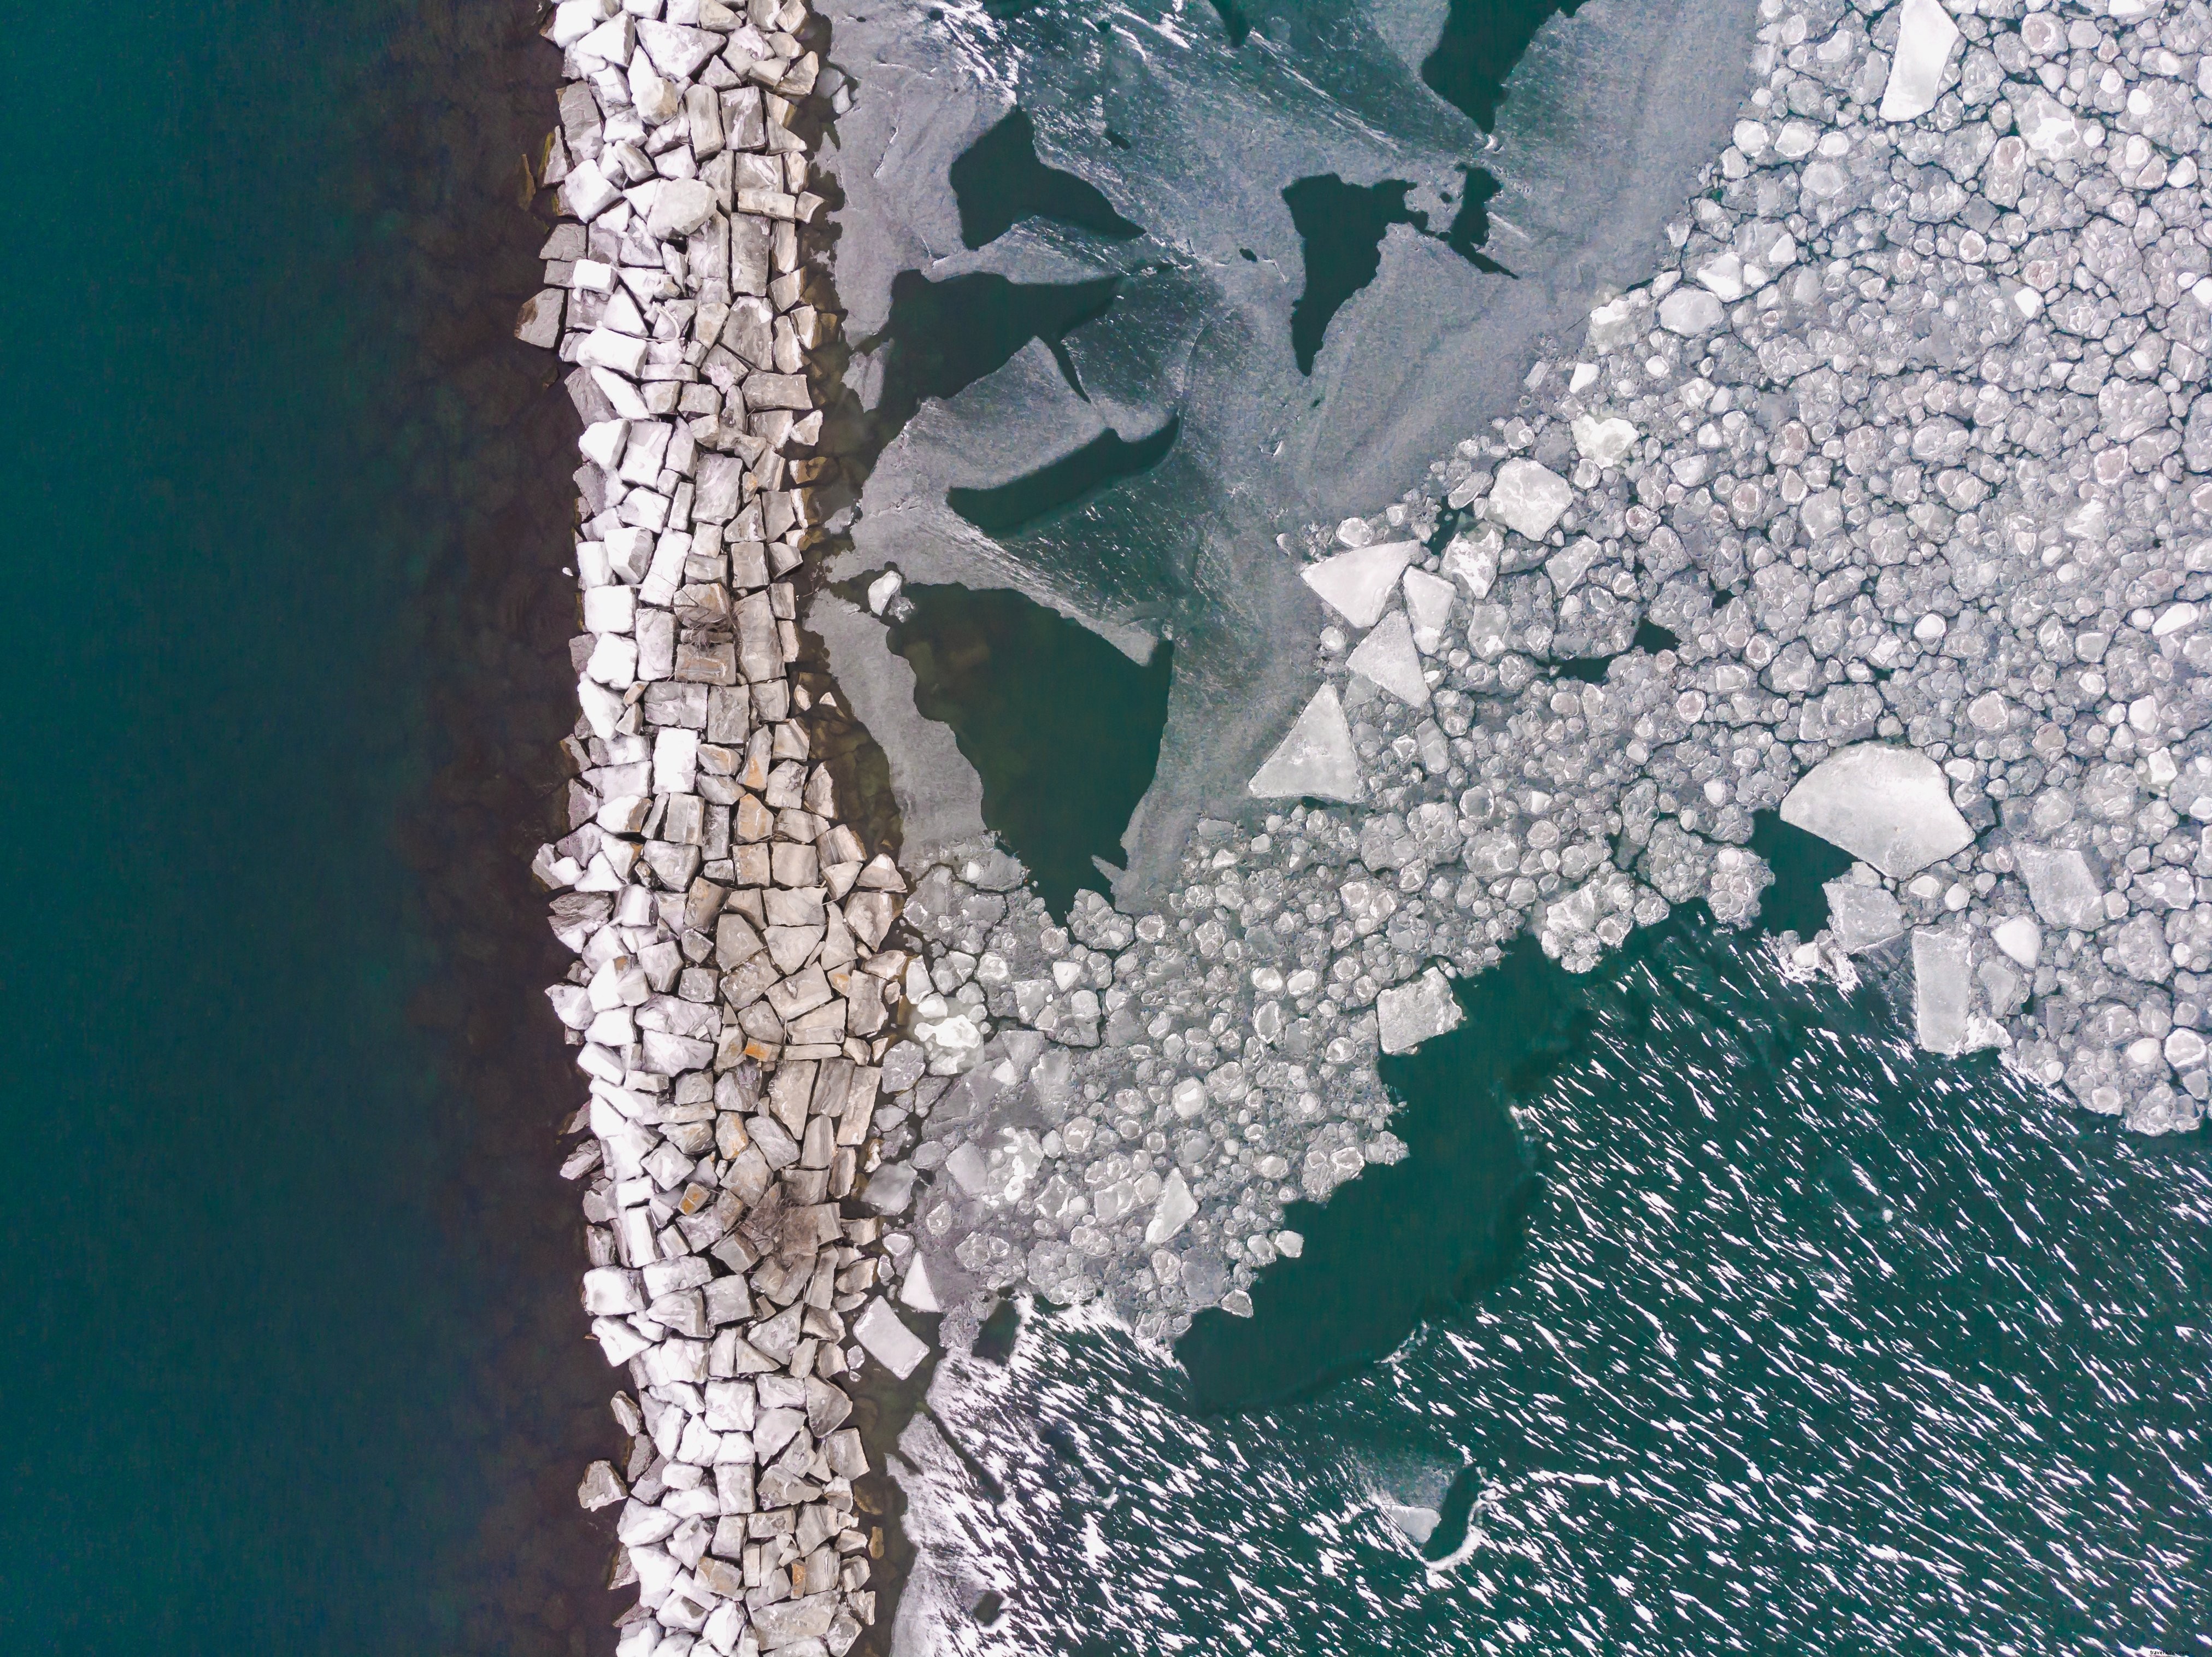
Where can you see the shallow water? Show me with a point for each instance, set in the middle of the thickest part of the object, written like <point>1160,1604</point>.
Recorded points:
<point>1808,1343</point>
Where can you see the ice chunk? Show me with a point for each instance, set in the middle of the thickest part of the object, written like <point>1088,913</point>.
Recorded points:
<point>2062,886</point>
<point>891,1188</point>
<point>2019,938</point>
<point>1862,916</point>
<point>2050,129</point>
<point>1356,584</point>
<point>1316,758</point>
<point>1417,1525</point>
<point>1529,497</point>
<point>916,1290</point>
<point>1689,311</point>
<point>1177,1205</point>
<point>1604,441</point>
<point>1388,656</point>
<point>1925,36</point>
<point>1884,805</point>
<point>1940,989</point>
<point>1429,601</point>
<point>887,1340</point>
<point>1409,1014</point>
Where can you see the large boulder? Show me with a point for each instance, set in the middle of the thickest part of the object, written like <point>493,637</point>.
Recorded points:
<point>1885,806</point>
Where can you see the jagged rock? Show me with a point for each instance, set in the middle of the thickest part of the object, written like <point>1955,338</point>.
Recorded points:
<point>601,1487</point>
<point>1357,584</point>
<point>2062,887</point>
<point>1316,759</point>
<point>1408,1014</point>
<point>1389,657</point>
<point>1887,806</point>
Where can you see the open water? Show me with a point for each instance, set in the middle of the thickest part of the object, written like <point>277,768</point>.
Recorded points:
<point>293,1359</point>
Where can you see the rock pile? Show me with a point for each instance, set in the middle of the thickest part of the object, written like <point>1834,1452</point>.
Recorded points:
<point>1883,507</point>
<point>732,999</point>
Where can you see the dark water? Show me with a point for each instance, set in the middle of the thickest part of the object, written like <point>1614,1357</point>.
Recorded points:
<point>1063,729</point>
<point>294,1363</point>
<point>1808,1343</point>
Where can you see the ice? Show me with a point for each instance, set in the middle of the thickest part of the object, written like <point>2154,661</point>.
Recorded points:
<point>1941,991</point>
<point>1389,657</point>
<point>1924,39</point>
<point>1357,584</point>
<point>887,1340</point>
<point>2062,887</point>
<point>1885,805</point>
<point>1529,497</point>
<point>1411,1013</point>
<point>1316,759</point>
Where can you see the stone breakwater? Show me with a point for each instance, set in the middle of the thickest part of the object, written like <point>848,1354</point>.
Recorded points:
<point>1884,507</point>
<point>732,1000</point>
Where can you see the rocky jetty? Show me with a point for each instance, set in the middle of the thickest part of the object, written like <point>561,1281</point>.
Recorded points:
<point>734,996</point>
<point>1883,507</point>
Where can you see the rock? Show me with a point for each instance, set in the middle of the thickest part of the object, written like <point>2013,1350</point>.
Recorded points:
<point>681,207</point>
<point>2020,939</point>
<point>887,1340</point>
<point>2062,887</point>
<point>1174,1210</point>
<point>1942,989</point>
<point>1410,1013</point>
<point>1357,584</point>
<point>1316,759</point>
<point>1885,806</point>
<point>1863,917</point>
<point>1605,443</point>
<point>539,321</point>
<point>1529,498</point>
<point>1389,657</point>
<point>1925,36</point>
<point>1690,310</point>
<point>601,1487</point>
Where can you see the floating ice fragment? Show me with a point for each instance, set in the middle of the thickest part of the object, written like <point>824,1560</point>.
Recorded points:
<point>1177,1205</point>
<point>1409,1014</point>
<point>2050,129</point>
<point>1356,584</point>
<point>2020,939</point>
<point>1605,442</point>
<point>2062,887</point>
<point>916,1290</point>
<point>1529,498</point>
<point>1416,1525</point>
<point>1316,758</point>
<point>1387,657</point>
<point>887,1340</point>
<point>1887,806</point>
<point>1940,989</point>
<point>1925,36</point>
<point>1689,311</point>
<point>1862,916</point>
<point>1429,601</point>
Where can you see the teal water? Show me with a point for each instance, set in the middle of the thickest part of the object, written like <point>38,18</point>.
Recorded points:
<point>293,1362</point>
<point>1804,1341</point>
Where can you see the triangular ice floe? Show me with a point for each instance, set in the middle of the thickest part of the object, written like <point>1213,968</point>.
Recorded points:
<point>1356,584</point>
<point>1387,657</point>
<point>1315,759</point>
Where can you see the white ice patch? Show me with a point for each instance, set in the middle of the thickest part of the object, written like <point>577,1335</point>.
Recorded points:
<point>1316,759</point>
<point>1356,584</point>
<point>1924,39</point>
